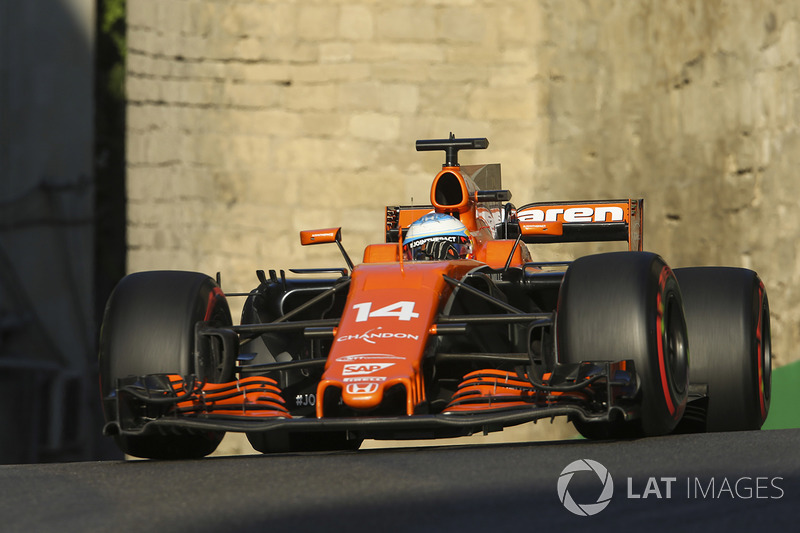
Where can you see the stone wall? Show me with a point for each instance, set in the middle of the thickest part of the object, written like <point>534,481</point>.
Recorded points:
<point>250,120</point>
<point>694,106</point>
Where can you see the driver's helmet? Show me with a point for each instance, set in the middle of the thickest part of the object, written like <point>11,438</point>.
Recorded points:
<point>437,237</point>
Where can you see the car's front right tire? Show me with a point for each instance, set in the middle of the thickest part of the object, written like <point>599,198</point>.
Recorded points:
<point>628,306</point>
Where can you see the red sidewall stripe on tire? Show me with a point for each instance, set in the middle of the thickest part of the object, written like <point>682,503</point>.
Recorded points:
<point>215,293</point>
<point>662,281</point>
<point>760,353</point>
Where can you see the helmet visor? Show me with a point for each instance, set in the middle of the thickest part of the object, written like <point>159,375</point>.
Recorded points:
<point>438,248</point>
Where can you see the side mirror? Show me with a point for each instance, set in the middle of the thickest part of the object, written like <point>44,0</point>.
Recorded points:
<point>320,236</point>
<point>325,236</point>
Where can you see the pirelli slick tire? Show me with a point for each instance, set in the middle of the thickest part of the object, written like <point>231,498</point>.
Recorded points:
<point>727,314</point>
<point>627,305</point>
<point>148,328</point>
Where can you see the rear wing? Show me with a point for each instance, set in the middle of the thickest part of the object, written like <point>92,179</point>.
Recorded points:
<point>584,221</point>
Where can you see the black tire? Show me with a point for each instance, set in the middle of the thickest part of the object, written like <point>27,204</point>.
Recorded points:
<point>627,305</point>
<point>727,314</point>
<point>148,328</point>
<point>282,441</point>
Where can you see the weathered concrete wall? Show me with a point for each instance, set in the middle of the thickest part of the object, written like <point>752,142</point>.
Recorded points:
<point>695,106</point>
<point>250,120</point>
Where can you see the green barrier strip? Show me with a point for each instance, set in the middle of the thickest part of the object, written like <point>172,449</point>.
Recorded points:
<point>784,409</point>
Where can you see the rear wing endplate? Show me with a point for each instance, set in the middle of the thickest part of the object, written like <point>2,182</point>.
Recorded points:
<point>585,221</point>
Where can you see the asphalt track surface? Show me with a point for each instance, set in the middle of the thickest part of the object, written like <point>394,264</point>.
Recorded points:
<point>499,487</point>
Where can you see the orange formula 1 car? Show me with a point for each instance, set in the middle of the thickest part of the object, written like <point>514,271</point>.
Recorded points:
<point>447,329</point>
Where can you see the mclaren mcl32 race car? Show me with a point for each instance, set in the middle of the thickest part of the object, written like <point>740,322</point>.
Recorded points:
<point>448,328</point>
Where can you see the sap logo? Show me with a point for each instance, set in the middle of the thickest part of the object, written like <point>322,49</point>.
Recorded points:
<point>362,369</point>
<point>362,388</point>
<point>610,213</point>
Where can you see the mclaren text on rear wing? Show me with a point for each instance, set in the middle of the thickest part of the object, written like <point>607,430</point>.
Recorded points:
<point>584,221</point>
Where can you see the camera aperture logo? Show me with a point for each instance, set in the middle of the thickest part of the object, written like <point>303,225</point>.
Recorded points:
<point>591,508</point>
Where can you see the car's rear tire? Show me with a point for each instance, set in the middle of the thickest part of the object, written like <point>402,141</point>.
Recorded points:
<point>148,328</point>
<point>727,314</point>
<point>627,305</point>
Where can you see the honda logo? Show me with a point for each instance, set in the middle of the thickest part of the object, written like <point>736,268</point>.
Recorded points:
<point>362,388</point>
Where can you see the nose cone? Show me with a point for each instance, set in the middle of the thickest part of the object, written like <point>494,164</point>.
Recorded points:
<point>383,334</point>
<point>364,379</point>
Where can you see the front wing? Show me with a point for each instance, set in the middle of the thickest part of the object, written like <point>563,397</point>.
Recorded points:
<point>486,401</point>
